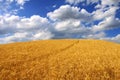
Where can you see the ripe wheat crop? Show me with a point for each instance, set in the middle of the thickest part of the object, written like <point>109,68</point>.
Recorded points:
<point>60,60</point>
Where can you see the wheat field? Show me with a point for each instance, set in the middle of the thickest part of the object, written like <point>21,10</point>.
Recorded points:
<point>60,60</point>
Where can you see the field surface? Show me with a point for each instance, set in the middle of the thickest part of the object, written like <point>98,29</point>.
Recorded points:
<point>60,60</point>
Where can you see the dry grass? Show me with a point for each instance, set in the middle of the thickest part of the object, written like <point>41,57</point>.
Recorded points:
<point>60,60</point>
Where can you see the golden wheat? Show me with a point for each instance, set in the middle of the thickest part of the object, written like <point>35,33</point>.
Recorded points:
<point>60,60</point>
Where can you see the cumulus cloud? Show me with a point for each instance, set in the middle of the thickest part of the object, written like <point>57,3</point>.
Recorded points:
<point>23,29</point>
<point>43,35</point>
<point>68,22</point>
<point>27,36</point>
<point>102,13</point>
<point>68,25</point>
<point>15,37</point>
<point>12,23</point>
<point>69,12</point>
<point>73,28</point>
<point>105,14</point>
<point>65,22</point>
<point>64,12</point>
<point>107,24</point>
<point>103,2</point>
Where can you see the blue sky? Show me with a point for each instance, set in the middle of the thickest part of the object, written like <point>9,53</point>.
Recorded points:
<point>26,20</point>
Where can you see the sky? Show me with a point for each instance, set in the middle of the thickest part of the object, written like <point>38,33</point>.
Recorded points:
<point>27,20</point>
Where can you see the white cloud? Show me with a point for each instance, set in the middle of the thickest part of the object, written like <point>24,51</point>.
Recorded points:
<point>43,35</point>
<point>68,21</point>
<point>23,29</point>
<point>110,2</point>
<point>8,23</point>
<point>64,12</point>
<point>103,2</point>
<point>21,2</point>
<point>98,35</point>
<point>116,38</point>
<point>65,22</point>
<point>79,1</point>
<point>102,13</point>
<point>71,28</point>
<point>11,6</point>
<point>68,24</point>
<point>74,1</point>
<point>15,38</point>
<point>34,22</point>
<point>69,12</point>
<point>107,23</point>
<point>26,36</point>
<point>12,23</point>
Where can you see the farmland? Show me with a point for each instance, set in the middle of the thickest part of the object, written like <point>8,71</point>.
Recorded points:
<point>60,60</point>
